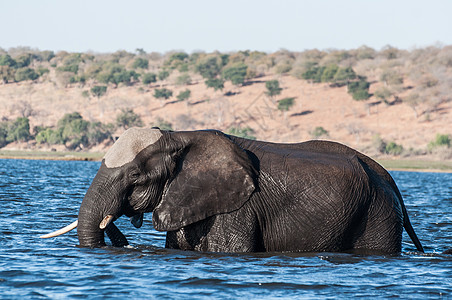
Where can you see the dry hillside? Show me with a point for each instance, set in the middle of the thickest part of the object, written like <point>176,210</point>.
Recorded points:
<point>360,124</point>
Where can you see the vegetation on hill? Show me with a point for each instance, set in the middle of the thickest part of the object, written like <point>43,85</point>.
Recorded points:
<point>390,76</point>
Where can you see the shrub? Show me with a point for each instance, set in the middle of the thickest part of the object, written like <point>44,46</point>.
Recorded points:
<point>163,74</point>
<point>26,73</point>
<point>49,136</point>
<point>3,134</point>
<point>140,63</point>
<point>328,73</point>
<point>236,73</point>
<point>7,60</point>
<point>149,78</point>
<point>319,132</point>
<point>359,89</point>
<point>73,130</point>
<point>285,104</point>
<point>98,90</point>
<point>441,140</point>
<point>209,67</point>
<point>128,118</point>
<point>343,76</point>
<point>393,149</point>
<point>163,93</point>
<point>314,74</point>
<point>273,88</point>
<point>183,79</point>
<point>19,130</point>
<point>184,95</point>
<point>215,83</point>
<point>247,132</point>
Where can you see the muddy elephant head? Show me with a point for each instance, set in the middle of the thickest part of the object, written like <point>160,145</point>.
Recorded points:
<point>182,177</point>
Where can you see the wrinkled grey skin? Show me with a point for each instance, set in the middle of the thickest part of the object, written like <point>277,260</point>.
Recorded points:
<point>214,192</point>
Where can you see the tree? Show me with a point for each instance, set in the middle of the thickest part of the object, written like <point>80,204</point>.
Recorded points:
<point>328,73</point>
<point>140,63</point>
<point>215,83</point>
<point>209,67</point>
<point>19,130</point>
<point>26,73</point>
<point>98,90</point>
<point>359,89</point>
<point>7,60</point>
<point>285,104</point>
<point>236,73</point>
<point>343,76</point>
<point>313,74</point>
<point>128,118</point>
<point>7,74</point>
<point>73,130</point>
<point>163,93</point>
<point>184,95</point>
<point>273,88</point>
<point>149,78</point>
<point>163,74</point>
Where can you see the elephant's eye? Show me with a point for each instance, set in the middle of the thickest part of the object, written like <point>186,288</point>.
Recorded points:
<point>134,176</point>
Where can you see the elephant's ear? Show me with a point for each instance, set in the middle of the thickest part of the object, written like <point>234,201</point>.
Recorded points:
<point>215,176</point>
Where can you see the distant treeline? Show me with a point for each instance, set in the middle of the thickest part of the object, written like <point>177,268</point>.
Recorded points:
<point>428,71</point>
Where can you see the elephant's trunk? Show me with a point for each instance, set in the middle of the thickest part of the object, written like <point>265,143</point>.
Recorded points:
<point>97,211</point>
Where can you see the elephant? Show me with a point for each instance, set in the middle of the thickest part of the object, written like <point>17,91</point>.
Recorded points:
<point>215,192</point>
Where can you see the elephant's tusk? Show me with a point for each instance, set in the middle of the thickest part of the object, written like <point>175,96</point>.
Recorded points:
<point>60,231</point>
<point>107,220</point>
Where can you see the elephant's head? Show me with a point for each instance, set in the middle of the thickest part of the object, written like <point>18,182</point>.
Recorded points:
<point>182,177</point>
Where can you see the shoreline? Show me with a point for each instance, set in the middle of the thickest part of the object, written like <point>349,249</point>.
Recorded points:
<point>408,165</point>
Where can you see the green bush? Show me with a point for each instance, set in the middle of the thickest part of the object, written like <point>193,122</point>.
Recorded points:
<point>184,95</point>
<point>215,83</point>
<point>286,103</point>
<point>313,74</point>
<point>163,93</point>
<point>128,118</point>
<point>98,90</point>
<point>23,61</point>
<point>149,78</point>
<point>49,136</point>
<point>319,132</point>
<point>328,73</point>
<point>441,140</point>
<point>7,60</point>
<point>163,74</point>
<point>343,76</point>
<point>26,73</point>
<point>73,130</point>
<point>140,63</point>
<point>393,149</point>
<point>209,67</point>
<point>19,130</point>
<point>236,73</point>
<point>183,79</point>
<point>359,89</point>
<point>3,134</point>
<point>247,132</point>
<point>273,88</point>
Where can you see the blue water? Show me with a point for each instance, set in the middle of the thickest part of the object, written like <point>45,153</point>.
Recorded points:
<point>37,197</point>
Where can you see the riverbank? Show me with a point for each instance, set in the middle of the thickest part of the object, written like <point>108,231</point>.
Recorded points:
<point>414,165</point>
<point>51,155</point>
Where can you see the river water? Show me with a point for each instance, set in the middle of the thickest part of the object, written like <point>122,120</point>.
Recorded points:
<point>37,197</point>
